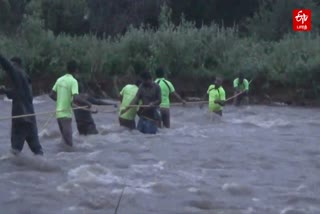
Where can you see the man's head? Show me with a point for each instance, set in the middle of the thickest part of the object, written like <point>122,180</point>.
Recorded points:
<point>146,78</point>
<point>72,67</point>
<point>160,72</point>
<point>241,77</point>
<point>138,82</point>
<point>218,82</point>
<point>213,79</point>
<point>16,61</point>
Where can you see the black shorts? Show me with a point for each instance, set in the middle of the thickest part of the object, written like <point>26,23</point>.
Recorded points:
<point>130,124</point>
<point>85,128</point>
<point>25,131</point>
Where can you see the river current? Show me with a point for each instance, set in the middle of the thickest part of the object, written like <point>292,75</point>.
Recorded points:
<point>253,160</point>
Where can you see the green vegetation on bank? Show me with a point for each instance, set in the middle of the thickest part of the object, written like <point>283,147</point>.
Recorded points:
<point>186,51</point>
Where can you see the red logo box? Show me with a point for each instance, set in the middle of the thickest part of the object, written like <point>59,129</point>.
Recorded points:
<point>301,20</point>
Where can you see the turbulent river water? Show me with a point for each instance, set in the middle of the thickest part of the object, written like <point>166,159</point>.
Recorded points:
<point>256,159</point>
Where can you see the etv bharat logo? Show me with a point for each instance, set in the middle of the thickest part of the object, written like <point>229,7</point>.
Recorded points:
<point>301,20</point>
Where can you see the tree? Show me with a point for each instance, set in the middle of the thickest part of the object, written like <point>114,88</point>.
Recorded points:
<point>274,18</point>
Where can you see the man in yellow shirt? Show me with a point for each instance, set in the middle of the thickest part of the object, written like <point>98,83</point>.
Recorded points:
<point>64,92</point>
<point>217,96</point>
<point>127,94</point>
<point>241,84</point>
<point>167,89</point>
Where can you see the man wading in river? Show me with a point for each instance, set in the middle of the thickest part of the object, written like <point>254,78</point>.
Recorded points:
<point>150,95</point>
<point>166,90</point>
<point>24,128</point>
<point>127,94</point>
<point>217,96</point>
<point>64,92</point>
<point>241,84</point>
<point>84,120</point>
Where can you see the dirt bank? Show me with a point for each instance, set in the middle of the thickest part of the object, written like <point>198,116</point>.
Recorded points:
<point>196,87</point>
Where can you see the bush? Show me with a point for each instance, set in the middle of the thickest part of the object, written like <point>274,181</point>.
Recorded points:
<point>184,50</point>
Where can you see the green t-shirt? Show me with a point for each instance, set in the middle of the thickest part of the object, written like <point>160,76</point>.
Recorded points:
<point>128,93</point>
<point>215,94</point>
<point>66,86</point>
<point>243,86</point>
<point>166,89</point>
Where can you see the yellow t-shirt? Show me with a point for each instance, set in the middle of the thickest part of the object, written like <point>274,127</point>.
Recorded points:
<point>66,86</point>
<point>243,87</point>
<point>166,89</point>
<point>215,94</point>
<point>128,93</point>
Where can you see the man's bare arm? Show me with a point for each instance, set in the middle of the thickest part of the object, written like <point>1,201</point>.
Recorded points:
<point>53,95</point>
<point>179,97</point>
<point>78,99</point>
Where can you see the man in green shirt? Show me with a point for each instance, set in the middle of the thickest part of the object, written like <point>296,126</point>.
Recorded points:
<point>217,96</point>
<point>166,90</point>
<point>127,94</point>
<point>64,92</point>
<point>241,84</point>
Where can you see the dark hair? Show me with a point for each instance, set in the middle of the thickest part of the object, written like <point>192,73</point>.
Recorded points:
<point>72,66</point>
<point>241,76</point>
<point>17,60</point>
<point>213,78</point>
<point>146,75</point>
<point>160,72</point>
<point>138,82</point>
<point>219,77</point>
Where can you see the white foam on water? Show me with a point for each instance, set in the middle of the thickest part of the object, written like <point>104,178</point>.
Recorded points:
<point>84,145</point>
<point>273,123</point>
<point>98,175</point>
<point>134,186</point>
<point>76,209</point>
<point>260,122</point>
<point>190,130</point>
<point>43,133</point>
<point>159,165</point>
<point>49,134</point>
<point>116,191</point>
<point>6,157</point>
<point>249,210</point>
<point>236,189</point>
<point>148,167</point>
<point>193,177</point>
<point>93,155</point>
<point>114,138</point>
<point>38,100</point>
<point>302,187</point>
<point>193,189</point>
<point>63,155</point>
<point>73,208</point>
<point>5,99</point>
<point>256,199</point>
<point>40,163</point>
<point>112,129</point>
<point>293,210</point>
<point>67,187</point>
<point>93,174</point>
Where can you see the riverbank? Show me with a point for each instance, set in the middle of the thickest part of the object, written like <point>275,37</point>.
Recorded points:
<point>193,89</point>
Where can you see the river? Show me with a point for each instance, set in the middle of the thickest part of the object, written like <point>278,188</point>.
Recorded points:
<point>256,159</point>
